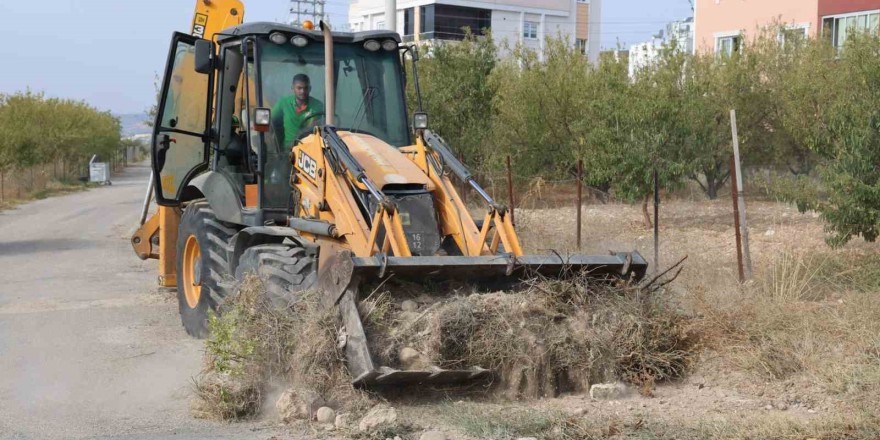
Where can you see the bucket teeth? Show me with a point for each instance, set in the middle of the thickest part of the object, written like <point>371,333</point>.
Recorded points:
<point>431,376</point>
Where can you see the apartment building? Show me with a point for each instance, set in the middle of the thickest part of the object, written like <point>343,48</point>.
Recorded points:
<point>527,22</point>
<point>722,25</point>
<point>679,33</point>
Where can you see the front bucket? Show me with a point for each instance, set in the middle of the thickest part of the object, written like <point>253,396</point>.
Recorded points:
<point>500,268</point>
<point>339,281</point>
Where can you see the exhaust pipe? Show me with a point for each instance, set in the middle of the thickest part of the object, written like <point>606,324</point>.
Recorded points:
<point>329,84</point>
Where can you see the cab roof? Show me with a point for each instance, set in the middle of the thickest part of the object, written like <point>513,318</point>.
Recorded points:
<point>266,28</point>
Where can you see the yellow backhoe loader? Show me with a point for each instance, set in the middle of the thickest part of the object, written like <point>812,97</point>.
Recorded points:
<point>254,176</point>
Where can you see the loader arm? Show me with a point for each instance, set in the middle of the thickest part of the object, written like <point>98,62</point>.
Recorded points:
<point>458,221</point>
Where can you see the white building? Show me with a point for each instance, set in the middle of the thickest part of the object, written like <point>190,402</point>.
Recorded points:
<point>680,33</point>
<point>643,54</point>
<point>512,21</point>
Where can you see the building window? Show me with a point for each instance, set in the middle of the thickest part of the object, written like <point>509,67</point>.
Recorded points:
<point>727,45</point>
<point>530,30</point>
<point>447,22</point>
<point>582,45</point>
<point>793,34</point>
<point>409,19</point>
<point>837,28</point>
<point>380,25</point>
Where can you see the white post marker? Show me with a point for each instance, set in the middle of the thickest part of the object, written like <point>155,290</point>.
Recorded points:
<point>747,256</point>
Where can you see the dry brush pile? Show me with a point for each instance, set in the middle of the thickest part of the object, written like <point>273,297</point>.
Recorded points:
<point>549,337</point>
<point>542,339</point>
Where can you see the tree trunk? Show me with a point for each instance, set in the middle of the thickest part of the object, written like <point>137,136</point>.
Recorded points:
<point>645,201</point>
<point>604,191</point>
<point>2,189</point>
<point>715,178</point>
<point>712,188</point>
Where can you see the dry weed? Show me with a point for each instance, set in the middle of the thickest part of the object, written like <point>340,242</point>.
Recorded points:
<point>802,316</point>
<point>254,343</point>
<point>549,337</point>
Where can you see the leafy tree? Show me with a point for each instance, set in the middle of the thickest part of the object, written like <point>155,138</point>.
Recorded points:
<point>847,137</point>
<point>457,94</point>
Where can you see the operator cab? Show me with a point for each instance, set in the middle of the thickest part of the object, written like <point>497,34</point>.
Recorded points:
<point>255,67</point>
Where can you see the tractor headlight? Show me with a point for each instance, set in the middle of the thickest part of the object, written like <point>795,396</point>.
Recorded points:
<point>372,45</point>
<point>299,41</point>
<point>389,45</point>
<point>278,38</point>
<point>262,119</point>
<point>420,120</point>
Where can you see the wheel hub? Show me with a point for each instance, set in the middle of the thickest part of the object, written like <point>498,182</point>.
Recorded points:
<point>192,273</point>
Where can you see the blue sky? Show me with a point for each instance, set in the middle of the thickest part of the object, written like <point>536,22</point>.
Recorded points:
<point>107,52</point>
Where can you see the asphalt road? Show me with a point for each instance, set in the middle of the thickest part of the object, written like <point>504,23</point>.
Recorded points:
<point>88,345</point>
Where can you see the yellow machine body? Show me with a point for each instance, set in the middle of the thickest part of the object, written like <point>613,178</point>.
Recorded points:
<point>209,18</point>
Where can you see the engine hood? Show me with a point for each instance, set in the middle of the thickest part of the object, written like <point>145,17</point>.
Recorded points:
<point>384,164</point>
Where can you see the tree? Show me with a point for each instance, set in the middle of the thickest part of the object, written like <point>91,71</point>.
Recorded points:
<point>457,94</point>
<point>846,137</point>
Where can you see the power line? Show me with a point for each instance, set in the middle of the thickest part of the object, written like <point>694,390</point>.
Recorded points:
<point>302,10</point>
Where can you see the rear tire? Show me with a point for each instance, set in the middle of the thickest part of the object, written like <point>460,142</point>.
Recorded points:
<point>285,270</point>
<point>202,269</point>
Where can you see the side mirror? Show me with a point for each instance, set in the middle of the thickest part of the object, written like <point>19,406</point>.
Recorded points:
<point>204,56</point>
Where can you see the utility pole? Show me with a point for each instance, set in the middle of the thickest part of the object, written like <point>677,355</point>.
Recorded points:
<point>302,10</point>
<point>391,15</point>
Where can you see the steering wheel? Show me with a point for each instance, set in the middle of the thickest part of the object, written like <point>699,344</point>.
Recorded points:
<point>309,123</point>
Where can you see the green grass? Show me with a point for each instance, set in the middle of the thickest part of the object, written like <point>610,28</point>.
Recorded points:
<point>487,421</point>
<point>503,422</point>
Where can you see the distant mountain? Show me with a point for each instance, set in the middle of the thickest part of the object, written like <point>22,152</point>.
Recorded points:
<point>134,123</point>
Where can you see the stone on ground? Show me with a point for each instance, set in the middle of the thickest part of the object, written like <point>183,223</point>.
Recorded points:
<point>409,306</point>
<point>608,391</point>
<point>326,415</point>
<point>411,359</point>
<point>379,416</point>
<point>294,404</point>
<point>433,435</point>
<point>342,421</point>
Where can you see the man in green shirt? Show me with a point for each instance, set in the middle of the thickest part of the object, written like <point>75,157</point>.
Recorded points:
<point>296,112</point>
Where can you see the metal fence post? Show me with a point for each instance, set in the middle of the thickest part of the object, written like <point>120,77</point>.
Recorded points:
<point>510,191</point>
<point>580,201</point>
<point>656,222</point>
<point>739,255</point>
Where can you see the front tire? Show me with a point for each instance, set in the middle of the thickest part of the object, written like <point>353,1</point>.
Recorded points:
<point>285,271</point>
<point>201,266</point>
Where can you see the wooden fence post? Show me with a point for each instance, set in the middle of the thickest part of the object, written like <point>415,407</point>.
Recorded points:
<point>741,200</point>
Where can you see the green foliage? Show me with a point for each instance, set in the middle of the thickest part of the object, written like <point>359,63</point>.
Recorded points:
<point>35,129</point>
<point>802,109</point>
<point>530,94</point>
<point>457,93</point>
<point>830,109</point>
